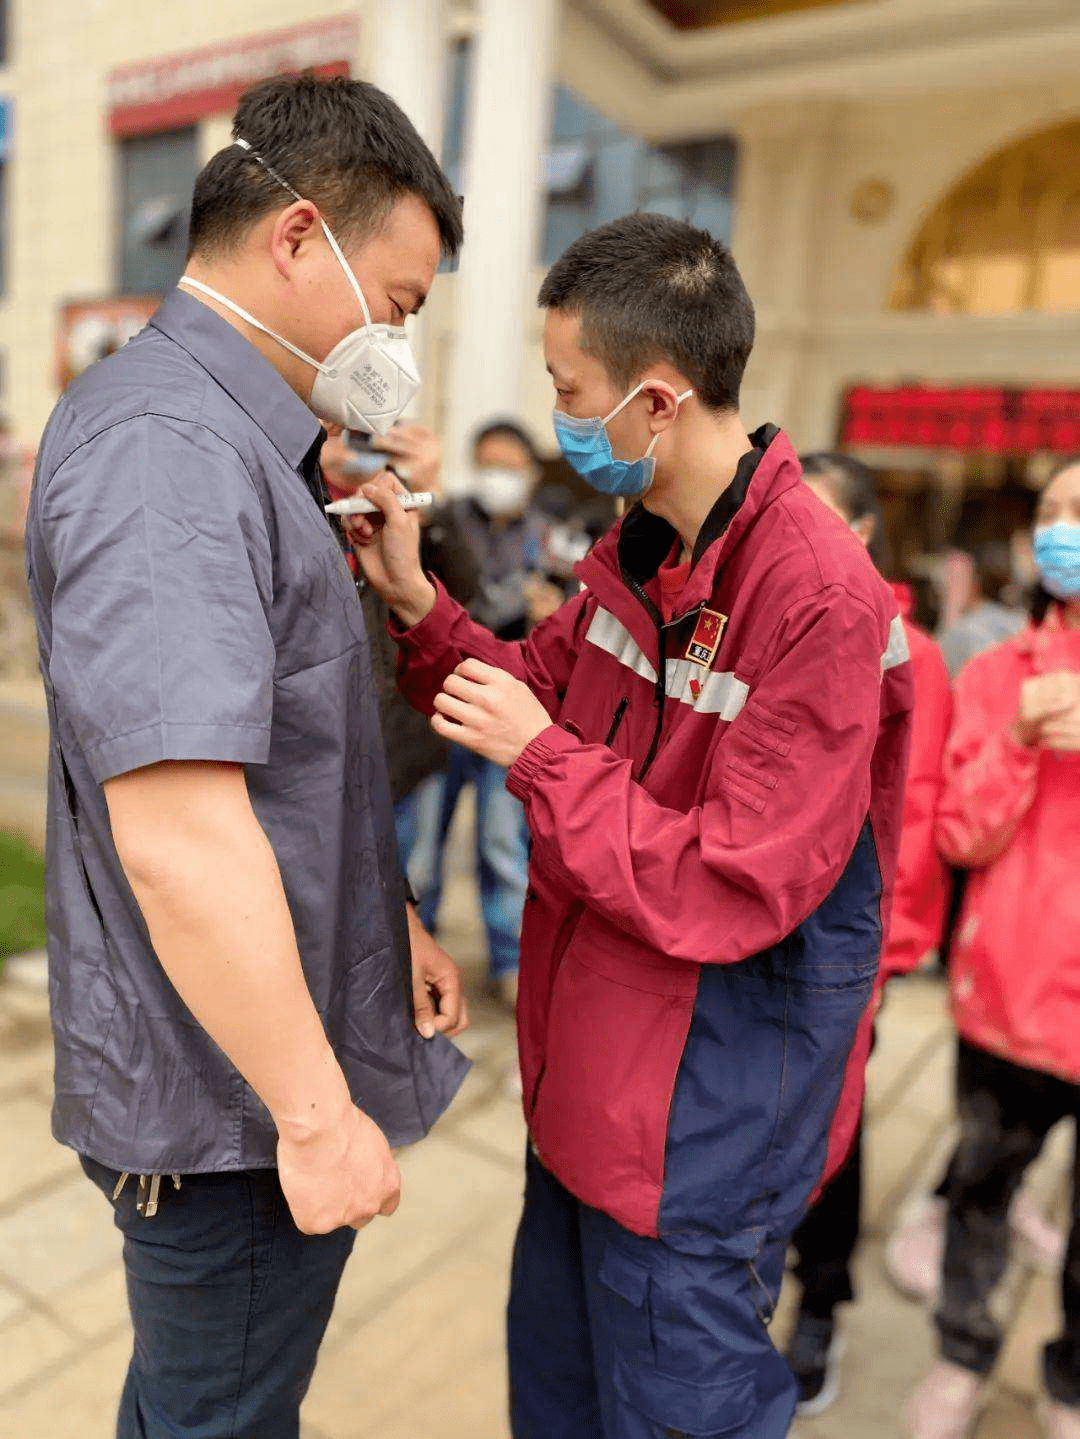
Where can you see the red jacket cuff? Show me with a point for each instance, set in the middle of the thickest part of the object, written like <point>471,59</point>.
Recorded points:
<point>547,745</point>
<point>432,635</point>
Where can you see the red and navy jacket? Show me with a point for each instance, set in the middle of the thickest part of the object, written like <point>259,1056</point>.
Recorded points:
<point>715,818</point>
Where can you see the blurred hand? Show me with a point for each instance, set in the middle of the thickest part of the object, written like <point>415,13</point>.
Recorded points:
<point>1044,698</point>
<point>416,453</point>
<point>438,1002</point>
<point>1061,731</point>
<point>388,547</point>
<point>342,1176</point>
<point>489,712</point>
<point>542,599</point>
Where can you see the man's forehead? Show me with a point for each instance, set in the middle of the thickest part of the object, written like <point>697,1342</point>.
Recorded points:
<point>562,344</point>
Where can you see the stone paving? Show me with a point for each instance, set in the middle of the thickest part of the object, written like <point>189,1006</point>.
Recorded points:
<point>415,1347</point>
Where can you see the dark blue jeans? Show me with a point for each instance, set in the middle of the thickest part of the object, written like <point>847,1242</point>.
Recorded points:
<point>612,1336</point>
<point>229,1303</point>
<point>502,851</point>
<point>1006,1112</point>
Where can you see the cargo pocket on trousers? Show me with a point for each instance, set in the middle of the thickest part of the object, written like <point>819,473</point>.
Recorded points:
<point>678,1406</point>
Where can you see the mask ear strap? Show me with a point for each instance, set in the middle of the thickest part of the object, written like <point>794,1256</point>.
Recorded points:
<point>187,283</point>
<point>623,403</point>
<point>353,281</point>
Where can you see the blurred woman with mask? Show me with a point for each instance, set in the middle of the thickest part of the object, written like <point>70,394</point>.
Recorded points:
<point>506,535</point>
<point>1010,812</point>
<point>826,1239</point>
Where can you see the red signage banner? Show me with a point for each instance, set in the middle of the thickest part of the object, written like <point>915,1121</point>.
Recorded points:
<point>91,329</point>
<point>966,419</point>
<point>176,90</point>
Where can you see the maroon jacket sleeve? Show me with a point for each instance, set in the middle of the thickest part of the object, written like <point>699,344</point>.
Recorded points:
<point>787,794</point>
<point>436,646</point>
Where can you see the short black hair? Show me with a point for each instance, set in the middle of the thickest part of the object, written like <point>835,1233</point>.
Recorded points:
<point>510,430</point>
<point>853,485</point>
<point>342,144</point>
<point>993,564</point>
<point>649,288</point>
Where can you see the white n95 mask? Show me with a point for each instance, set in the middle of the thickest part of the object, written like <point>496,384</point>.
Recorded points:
<point>368,378</point>
<point>501,492</point>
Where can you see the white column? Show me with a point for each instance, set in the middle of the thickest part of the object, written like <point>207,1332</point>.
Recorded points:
<point>785,203</point>
<point>409,55</point>
<point>506,132</point>
<point>410,60</point>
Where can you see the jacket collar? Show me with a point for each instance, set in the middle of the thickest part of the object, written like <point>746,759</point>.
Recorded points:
<point>243,373</point>
<point>630,555</point>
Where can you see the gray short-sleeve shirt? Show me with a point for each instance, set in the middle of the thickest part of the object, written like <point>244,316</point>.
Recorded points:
<point>192,603</point>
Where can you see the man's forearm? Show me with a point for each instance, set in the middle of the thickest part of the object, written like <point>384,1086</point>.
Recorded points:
<point>212,897</point>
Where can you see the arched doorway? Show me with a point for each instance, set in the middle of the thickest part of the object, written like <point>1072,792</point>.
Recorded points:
<point>1006,238</point>
<point>994,263</point>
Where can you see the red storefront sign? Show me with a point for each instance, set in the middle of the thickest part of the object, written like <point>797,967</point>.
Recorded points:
<point>177,90</point>
<point>91,329</point>
<point>967,419</point>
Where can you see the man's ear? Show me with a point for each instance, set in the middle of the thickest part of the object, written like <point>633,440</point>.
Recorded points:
<point>663,405</point>
<point>294,228</point>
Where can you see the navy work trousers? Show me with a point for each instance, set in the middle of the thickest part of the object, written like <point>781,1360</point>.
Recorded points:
<point>229,1303</point>
<point>613,1336</point>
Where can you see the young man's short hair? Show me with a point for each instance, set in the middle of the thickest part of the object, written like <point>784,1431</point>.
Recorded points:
<point>650,288</point>
<point>342,144</point>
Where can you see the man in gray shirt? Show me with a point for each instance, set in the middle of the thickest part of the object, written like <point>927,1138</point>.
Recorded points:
<point>241,1035</point>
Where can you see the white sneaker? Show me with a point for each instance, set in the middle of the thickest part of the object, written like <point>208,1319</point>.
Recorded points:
<point>1059,1421</point>
<point>1045,1242</point>
<point>914,1253</point>
<point>946,1404</point>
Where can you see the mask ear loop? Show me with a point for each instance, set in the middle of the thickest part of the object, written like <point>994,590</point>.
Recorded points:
<point>353,281</point>
<point>187,282</point>
<point>633,393</point>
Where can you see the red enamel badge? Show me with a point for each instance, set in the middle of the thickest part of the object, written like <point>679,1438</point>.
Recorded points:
<point>706,638</point>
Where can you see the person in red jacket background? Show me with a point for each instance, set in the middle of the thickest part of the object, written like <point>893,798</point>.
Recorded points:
<point>1011,813</point>
<point>825,1241</point>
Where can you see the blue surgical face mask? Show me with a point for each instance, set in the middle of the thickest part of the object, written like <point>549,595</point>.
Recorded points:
<point>1057,558</point>
<point>587,450</point>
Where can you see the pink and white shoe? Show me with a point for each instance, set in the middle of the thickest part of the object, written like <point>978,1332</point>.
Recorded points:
<point>915,1251</point>
<point>1045,1242</point>
<point>946,1404</point>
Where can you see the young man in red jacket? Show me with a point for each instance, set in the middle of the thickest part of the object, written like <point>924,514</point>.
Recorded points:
<point>710,743</point>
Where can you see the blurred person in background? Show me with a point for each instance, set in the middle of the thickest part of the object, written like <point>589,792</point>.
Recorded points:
<point>1011,813</point>
<point>247,1014</point>
<point>984,617</point>
<point>507,535</point>
<point>416,757</point>
<point>826,1239</point>
<point>709,740</point>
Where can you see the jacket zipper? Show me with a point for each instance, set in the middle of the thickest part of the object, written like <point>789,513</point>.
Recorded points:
<point>620,712</point>
<point>660,693</point>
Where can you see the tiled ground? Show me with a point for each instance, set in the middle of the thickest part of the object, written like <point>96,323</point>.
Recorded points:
<point>415,1349</point>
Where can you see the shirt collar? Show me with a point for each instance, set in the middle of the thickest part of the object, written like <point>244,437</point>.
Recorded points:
<point>243,373</point>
